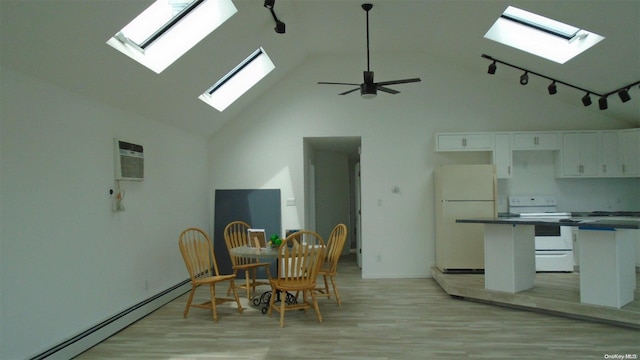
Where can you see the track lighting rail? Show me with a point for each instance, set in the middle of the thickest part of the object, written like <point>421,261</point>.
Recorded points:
<point>622,91</point>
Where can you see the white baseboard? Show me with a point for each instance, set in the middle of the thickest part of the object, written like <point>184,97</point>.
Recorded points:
<point>87,339</point>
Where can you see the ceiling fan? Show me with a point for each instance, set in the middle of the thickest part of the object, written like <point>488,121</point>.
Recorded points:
<point>369,89</point>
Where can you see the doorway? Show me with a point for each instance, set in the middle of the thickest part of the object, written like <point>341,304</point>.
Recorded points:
<point>332,189</point>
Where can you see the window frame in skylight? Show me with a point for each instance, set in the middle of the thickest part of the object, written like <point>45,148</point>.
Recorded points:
<point>238,81</point>
<point>541,36</point>
<point>170,37</point>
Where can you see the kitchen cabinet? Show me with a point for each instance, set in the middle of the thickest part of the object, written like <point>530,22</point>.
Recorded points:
<point>502,155</point>
<point>580,156</point>
<point>610,163</point>
<point>630,148</point>
<point>536,141</point>
<point>580,153</point>
<point>464,142</point>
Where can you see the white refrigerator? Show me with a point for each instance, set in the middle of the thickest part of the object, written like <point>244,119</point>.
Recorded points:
<point>463,191</point>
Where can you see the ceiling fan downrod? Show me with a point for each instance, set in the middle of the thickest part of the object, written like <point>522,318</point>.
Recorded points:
<point>367,7</point>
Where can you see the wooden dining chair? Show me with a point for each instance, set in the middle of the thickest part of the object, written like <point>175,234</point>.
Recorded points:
<point>298,265</point>
<point>235,235</point>
<point>329,269</point>
<point>197,251</point>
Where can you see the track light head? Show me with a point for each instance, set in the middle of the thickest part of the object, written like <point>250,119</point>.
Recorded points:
<point>280,27</point>
<point>586,99</point>
<point>492,68</point>
<point>524,78</point>
<point>603,103</point>
<point>624,95</point>
<point>552,88</point>
<point>269,3</point>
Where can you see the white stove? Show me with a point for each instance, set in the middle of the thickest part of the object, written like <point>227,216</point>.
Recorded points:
<point>554,244</point>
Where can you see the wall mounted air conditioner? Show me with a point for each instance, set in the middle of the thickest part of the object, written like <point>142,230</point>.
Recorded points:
<point>129,161</point>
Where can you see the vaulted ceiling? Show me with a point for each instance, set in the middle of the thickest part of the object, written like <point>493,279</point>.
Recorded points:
<point>63,42</point>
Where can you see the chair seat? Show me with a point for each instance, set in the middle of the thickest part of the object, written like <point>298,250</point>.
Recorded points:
<point>210,279</point>
<point>292,286</point>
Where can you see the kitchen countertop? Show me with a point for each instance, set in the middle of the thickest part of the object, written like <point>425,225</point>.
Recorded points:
<point>591,222</point>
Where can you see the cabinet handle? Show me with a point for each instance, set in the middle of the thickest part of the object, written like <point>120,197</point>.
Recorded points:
<point>624,168</point>
<point>464,142</point>
<point>509,169</point>
<point>580,168</point>
<point>535,141</point>
<point>604,168</point>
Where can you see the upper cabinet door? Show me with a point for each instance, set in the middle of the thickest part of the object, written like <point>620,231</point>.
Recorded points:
<point>502,155</point>
<point>580,154</point>
<point>610,165</point>
<point>464,142</point>
<point>630,146</point>
<point>536,141</point>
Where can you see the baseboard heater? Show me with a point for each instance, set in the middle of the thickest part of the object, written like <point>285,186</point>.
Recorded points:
<point>97,333</point>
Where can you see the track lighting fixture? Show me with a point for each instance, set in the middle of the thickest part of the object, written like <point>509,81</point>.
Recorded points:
<point>280,26</point>
<point>492,68</point>
<point>602,102</point>
<point>623,92</point>
<point>624,95</point>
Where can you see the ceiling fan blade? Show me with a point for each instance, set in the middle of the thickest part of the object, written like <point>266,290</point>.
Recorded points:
<point>337,83</point>
<point>350,91</point>
<point>403,81</point>
<point>387,90</point>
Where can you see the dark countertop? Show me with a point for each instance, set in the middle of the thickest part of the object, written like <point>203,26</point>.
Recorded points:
<point>595,223</point>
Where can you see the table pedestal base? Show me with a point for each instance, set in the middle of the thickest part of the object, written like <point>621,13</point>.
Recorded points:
<point>265,298</point>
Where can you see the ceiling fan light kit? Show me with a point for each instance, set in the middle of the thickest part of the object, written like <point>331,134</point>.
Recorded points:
<point>369,88</point>
<point>622,92</point>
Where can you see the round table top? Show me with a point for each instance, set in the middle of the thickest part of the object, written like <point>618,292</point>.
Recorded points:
<point>257,253</point>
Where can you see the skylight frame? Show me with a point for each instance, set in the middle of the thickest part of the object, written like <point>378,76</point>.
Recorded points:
<point>238,81</point>
<point>541,36</point>
<point>169,41</point>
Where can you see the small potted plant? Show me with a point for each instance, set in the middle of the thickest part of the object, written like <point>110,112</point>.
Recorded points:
<point>275,241</point>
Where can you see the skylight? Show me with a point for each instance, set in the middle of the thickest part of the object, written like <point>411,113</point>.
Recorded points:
<point>239,80</point>
<point>167,29</point>
<point>541,36</point>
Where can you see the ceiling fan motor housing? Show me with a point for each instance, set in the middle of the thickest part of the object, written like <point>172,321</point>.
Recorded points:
<point>368,90</point>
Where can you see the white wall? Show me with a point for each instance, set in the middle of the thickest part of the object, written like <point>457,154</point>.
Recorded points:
<point>263,146</point>
<point>67,261</point>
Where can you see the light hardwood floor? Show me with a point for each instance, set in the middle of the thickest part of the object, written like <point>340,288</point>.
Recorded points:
<point>378,319</point>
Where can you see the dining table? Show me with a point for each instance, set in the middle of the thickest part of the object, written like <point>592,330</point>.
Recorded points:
<point>264,254</point>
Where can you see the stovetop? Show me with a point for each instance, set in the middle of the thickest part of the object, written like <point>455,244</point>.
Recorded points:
<point>606,213</point>
<point>584,214</point>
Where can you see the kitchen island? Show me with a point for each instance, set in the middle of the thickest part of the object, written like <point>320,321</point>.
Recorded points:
<point>606,257</point>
